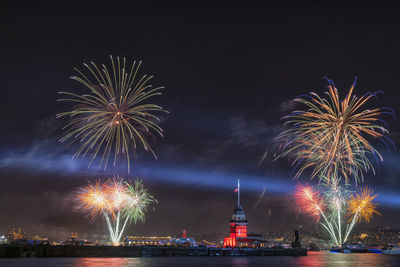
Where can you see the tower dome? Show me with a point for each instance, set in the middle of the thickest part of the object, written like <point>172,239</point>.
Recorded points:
<point>238,214</point>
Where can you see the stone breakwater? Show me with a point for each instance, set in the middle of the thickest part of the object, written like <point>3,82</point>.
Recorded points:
<point>10,251</point>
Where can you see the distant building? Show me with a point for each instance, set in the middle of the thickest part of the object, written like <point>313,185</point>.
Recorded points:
<point>376,236</point>
<point>75,241</point>
<point>238,224</point>
<point>14,236</point>
<point>148,241</point>
<point>159,241</point>
<point>252,241</point>
<point>238,230</point>
<point>19,237</point>
<point>185,242</point>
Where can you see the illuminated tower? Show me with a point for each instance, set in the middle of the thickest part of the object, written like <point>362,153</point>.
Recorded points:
<point>238,224</point>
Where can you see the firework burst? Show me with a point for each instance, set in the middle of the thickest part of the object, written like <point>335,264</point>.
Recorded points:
<point>116,190</point>
<point>329,136</point>
<point>137,202</point>
<point>310,201</point>
<point>114,116</point>
<point>337,196</point>
<point>94,198</point>
<point>361,205</point>
<point>116,200</point>
<point>339,200</point>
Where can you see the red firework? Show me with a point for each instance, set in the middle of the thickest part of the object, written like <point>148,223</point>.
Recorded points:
<point>310,200</point>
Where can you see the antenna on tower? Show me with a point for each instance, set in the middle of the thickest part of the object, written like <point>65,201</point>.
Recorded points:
<point>238,193</point>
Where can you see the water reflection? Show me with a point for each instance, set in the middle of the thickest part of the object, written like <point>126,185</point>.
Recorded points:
<point>240,261</point>
<point>325,258</point>
<point>321,258</point>
<point>107,262</point>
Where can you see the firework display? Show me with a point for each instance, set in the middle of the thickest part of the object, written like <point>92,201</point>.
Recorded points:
<point>118,200</point>
<point>330,137</point>
<point>358,206</point>
<point>113,116</point>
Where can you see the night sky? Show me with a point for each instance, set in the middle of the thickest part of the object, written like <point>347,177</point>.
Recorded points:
<point>230,71</point>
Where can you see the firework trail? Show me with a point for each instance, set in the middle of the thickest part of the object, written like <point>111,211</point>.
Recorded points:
<point>361,207</point>
<point>116,200</point>
<point>331,136</point>
<point>358,206</point>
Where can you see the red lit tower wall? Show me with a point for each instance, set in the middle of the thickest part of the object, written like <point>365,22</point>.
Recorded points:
<point>238,224</point>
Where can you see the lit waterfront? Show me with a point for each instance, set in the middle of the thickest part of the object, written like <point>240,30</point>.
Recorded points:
<point>322,258</point>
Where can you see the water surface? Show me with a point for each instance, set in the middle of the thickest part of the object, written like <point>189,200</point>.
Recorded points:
<point>322,258</point>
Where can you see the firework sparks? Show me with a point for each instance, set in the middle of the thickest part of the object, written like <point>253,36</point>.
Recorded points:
<point>113,117</point>
<point>337,196</point>
<point>137,202</point>
<point>310,201</point>
<point>117,200</point>
<point>117,192</point>
<point>95,199</point>
<point>361,205</point>
<point>330,135</point>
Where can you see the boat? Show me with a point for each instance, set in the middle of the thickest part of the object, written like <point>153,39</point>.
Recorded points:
<point>374,249</point>
<point>356,248</point>
<point>335,249</point>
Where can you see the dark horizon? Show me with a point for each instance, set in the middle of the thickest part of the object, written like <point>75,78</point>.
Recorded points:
<point>230,72</point>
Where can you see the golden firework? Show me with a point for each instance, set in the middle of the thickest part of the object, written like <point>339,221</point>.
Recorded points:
<point>94,198</point>
<point>330,135</point>
<point>118,200</point>
<point>114,116</point>
<point>361,205</point>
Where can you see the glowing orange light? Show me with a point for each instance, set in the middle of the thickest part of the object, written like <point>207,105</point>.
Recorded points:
<point>95,199</point>
<point>361,204</point>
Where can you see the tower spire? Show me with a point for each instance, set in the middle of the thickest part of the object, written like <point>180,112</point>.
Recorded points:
<point>238,193</point>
